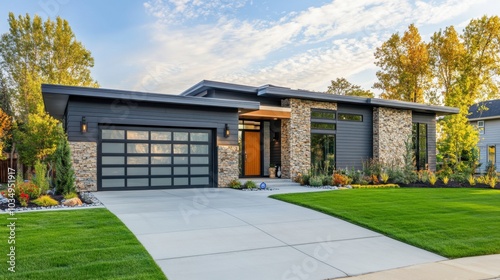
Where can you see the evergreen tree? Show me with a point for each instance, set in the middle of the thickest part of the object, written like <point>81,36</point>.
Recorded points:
<point>65,176</point>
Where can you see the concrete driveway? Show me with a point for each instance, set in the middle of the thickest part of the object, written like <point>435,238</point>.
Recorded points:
<point>229,234</point>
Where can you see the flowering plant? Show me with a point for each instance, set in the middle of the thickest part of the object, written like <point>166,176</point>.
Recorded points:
<point>23,199</point>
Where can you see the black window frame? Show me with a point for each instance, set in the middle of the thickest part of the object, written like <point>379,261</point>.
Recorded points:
<point>351,115</point>
<point>324,132</point>
<point>418,138</point>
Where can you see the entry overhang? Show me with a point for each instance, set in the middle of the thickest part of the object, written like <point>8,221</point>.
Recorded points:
<point>269,112</point>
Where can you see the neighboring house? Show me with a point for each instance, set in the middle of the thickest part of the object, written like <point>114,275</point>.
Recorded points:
<point>215,132</point>
<point>486,117</point>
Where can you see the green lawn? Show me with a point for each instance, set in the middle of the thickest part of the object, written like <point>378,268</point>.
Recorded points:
<point>77,244</point>
<point>450,222</point>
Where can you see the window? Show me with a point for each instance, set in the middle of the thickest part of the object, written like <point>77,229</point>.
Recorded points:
<point>320,114</point>
<point>419,137</point>
<point>480,127</point>
<point>323,126</point>
<point>323,152</point>
<point>323,129</point>
<point>350,117</point>
<point>492,154</point>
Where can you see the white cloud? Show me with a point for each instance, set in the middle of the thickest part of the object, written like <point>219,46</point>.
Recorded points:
<point>301,50</point>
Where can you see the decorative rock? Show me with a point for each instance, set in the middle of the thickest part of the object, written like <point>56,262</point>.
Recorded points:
<point>3,199</point>
<point>73,202</point>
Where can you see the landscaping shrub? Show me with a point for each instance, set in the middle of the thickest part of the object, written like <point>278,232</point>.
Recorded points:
<point>250,185</point>
<point>40,178</point>
<point>384,177</point>
<point>316,181</point>
<point>235,184</point>
<point>432,179</point>
<point>492,181</point>
<point>340,179</point>
<point>471,180</point>
<point>326,180</point>
<point>306,179</point>
<point>28,188</point>
<point>70,195</point>
<point>374,179</point>
<point>445,180</point>
<point>45,201</point>
<point>491,170</point>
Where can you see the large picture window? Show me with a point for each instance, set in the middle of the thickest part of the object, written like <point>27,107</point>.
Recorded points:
<point>323,129</point>
<point>420,145</point>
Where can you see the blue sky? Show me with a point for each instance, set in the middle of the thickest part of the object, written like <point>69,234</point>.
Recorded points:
<point>168,45</point>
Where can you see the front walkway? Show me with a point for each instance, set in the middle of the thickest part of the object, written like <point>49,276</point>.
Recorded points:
<point>229,234</point>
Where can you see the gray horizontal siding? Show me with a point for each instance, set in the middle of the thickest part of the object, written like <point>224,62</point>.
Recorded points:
<point>147,114</point>
<point>354,139</point>
<point>430,120</point>
<point>490,137</point>
<point>245,96</point>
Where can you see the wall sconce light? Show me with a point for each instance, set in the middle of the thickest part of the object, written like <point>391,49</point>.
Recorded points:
<point>276,137</point>
<point>226,131</point>
<point>83,125</point>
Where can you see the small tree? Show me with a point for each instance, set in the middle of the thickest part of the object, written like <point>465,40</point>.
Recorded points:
<point>65,176</point>
<point>40,178</point>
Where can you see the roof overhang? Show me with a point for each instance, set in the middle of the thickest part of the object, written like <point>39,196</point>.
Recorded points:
<point>375,102</point>
<point>56,98</point>
<point>269,112</point>
<point>201,87</point>
<point>484,119</point>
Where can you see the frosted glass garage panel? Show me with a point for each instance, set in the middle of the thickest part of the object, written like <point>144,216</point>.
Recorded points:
<point>199,181</point>
<point>161,148</point>
<point>113,183</point>
<point>137,171</point>
<point>199,136</point>
<point>142,182</point>
<point>158,182</point>
<point>113,134</point>
<point>113,171</point>
<point>161,135</point>
<point>113,148</point>
<point>161,170</point>
<point>181,181</point>
<point>181,136</point>
<point>199,160</point>
<point>137,135</point>
<point>199,149</point>
<point>137,148</point>
<point>161,160</point>
<point>137,160</point>
<point>112,160</point>
<point>200,170</point>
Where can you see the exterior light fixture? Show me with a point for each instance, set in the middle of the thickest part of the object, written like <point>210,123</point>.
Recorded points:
<point>83,125</point>
<point>226,131</point>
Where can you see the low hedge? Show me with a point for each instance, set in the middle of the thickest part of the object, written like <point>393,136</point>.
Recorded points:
<point>384,186</point>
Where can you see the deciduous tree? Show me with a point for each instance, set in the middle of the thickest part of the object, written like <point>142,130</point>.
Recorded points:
<point>342,86</point>
<point>404,63</point>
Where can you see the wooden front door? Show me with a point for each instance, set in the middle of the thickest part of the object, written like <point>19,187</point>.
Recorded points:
<point>252,153</point>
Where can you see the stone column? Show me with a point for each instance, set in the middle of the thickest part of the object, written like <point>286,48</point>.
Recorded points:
<point>84,155</point>
<point>228,167</point>
<point>296,135</point>
<point>392,128</point>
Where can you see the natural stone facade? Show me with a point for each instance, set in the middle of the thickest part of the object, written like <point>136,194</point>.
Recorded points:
<point>296,135</point>
<point>84,155</point>
<point>391,130</point>
<point>228,168</point>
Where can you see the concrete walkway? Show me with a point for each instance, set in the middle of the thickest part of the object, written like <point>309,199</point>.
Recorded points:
<point>229,234</point>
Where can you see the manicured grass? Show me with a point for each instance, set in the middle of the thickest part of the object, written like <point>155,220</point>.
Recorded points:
<point>75,244</point>
<point>450,222</point>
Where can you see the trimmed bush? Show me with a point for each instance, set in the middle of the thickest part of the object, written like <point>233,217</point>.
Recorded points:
<point>316,181</point>
<point>65,176</point>
<point>70,195</point>
<point>385,186</point>
<point>235,184</point>
<point>28,188</point>
<point>250,185</point>
<point>40,178</point>
<point>45,201</point>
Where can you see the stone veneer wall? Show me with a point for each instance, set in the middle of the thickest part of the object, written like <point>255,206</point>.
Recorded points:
<point>391,129</point>
<point>84,156</point>
<point>296,135</point>
<point>228,167</point>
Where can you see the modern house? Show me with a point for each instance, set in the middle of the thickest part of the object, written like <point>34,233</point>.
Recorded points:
<point>215,132</point>
<point>486,117</point>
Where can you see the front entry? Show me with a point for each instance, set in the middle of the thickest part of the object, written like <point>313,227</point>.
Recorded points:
<point>252,153</point>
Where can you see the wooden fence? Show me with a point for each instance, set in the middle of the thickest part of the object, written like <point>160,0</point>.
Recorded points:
<point>4,169</point>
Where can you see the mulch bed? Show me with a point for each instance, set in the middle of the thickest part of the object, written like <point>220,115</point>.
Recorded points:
<point>87,201</point>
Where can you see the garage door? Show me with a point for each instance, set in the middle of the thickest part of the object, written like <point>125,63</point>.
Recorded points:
<point>148,158</point>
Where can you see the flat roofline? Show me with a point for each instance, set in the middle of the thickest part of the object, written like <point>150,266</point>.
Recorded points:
<point>56,98</point>
<point>206,85</point>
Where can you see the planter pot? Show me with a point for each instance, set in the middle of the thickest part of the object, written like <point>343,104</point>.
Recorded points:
<point>272,172</point>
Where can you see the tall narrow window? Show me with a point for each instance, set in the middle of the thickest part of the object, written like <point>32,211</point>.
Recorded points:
<point>480,127</point>
<point>492,154</point>
<point>420,145</point>
<point>323,129</point>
